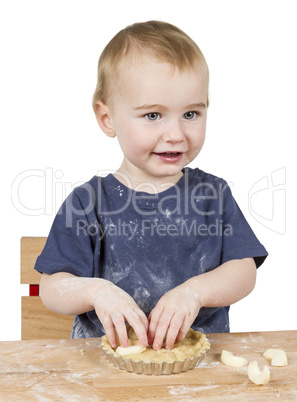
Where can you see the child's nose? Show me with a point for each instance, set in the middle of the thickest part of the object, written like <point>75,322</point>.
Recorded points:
<point>173,133</point>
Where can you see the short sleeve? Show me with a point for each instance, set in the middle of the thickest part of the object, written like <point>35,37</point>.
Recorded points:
<point>74,238</point>
<point>239,240</point>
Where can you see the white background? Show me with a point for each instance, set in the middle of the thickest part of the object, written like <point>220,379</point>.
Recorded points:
<point>49,55</point>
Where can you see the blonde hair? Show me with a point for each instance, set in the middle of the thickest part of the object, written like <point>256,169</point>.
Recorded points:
<point>162,40</point>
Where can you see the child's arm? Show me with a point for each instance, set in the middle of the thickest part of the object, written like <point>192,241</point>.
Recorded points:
<point>71,295</point>
<point>178,308</point>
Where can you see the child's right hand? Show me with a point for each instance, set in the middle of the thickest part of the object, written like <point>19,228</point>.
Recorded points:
<point>113,307</point>
<point>68,294</point>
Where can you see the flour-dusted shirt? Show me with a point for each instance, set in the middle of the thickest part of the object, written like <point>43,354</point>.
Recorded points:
<point>148,244</point>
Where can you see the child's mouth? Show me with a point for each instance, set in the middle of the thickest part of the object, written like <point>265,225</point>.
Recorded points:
<point>169,156</point>
<point>169,153</point>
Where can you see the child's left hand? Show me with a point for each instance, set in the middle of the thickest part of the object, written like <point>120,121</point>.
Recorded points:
<point>175,313</point>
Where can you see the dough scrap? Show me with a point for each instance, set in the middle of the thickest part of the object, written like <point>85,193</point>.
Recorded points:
<point>130,350</point>
<point>256,376</point>
<point>234,361</point>
<point>278,357</point>
<point>194,344</point>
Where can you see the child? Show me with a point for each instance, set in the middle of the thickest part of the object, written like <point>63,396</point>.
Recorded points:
<point>158,245</point>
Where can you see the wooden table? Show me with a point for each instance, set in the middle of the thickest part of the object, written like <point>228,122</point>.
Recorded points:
<point>77,370</point>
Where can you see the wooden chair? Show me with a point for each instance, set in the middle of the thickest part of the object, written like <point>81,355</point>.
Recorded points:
<point>38,322</point>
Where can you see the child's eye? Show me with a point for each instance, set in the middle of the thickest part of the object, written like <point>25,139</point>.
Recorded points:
<point>190,115</point>
<point>152,116</point>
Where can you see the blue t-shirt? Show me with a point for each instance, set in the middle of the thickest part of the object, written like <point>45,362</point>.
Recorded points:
<point>148,244</point>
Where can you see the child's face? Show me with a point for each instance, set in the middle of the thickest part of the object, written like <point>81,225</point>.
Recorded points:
<point>159,115</point>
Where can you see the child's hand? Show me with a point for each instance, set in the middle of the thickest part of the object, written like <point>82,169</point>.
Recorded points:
<point>175,313</point>
<point>113,307</point>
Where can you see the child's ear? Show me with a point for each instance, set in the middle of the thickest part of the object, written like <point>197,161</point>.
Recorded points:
<point>103,117</point>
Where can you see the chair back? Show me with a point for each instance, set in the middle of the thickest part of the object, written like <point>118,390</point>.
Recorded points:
<point>38,322</point>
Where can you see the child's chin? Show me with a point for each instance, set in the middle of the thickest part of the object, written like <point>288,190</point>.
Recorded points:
<point>170,171</point>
